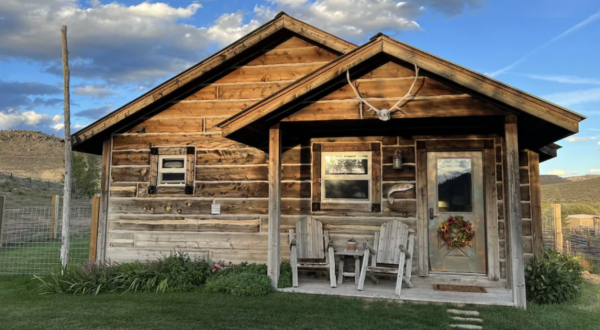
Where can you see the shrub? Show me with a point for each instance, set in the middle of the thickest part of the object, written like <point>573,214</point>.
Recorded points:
<point>553,279</point>
<point>241,284</point>
<point>285,274</point>
<point>173,273</point>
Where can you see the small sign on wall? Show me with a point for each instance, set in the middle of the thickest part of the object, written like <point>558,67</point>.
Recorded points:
<point>215,209</point>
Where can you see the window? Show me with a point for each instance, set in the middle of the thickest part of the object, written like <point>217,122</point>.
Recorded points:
<point>454,185</point>
<point>346,177</point>
<point>171,170</point>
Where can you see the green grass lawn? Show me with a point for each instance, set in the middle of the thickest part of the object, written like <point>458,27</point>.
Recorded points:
<point>22,308</point>
<point>41,257</point>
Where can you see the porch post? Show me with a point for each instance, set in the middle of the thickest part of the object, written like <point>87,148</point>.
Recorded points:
<point>274,204</point>
<point>513,199</point>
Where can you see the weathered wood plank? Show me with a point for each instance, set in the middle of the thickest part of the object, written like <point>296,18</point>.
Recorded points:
<point>270,73</point>
<point>514,213</point>
<point>143,141</point>
<point>295,172</point>
<point>409,194</point>
<point>536,203</point>
<point>385,140</point>
<point>168,125</point>
<point>188,225</point>
<point>306,54</point>
<point>275,205</point>
<point>242,173</point>
<point>251,189</point>
<point>392,88</point>
<point>422,220</point>
<point>407,173</point>
<point>131,157</point>
<point>129,174</point>
<point>231,157</point>
<point>204,109</point>
<point>104,198</point>
<point>191,206</point>
<point>297,155</point>
<point>123,190</point>
<point>442,106</point>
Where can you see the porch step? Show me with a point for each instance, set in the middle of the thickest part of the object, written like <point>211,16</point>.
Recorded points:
<point>464,313</point>
<point>465,326</point>
<point>466,319</point>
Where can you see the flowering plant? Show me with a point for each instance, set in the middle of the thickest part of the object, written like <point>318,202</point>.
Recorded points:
<point>456,232</point>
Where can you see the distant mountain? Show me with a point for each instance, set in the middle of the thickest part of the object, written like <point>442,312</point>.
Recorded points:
<point>576,191</point>
<point>553,179</point>
<point>31,154</point>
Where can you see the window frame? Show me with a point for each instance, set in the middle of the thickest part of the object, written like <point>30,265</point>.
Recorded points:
<point>362,177</point>
<point>162,170</point>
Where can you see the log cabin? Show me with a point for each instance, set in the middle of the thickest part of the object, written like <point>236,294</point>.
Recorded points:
<point>290,121</point>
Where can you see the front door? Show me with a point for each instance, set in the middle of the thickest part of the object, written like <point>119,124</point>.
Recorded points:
<point>455,190</point>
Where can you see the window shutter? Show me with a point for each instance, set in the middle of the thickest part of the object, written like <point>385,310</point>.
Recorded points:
<point>190,170</point>
<point>376,177</point>
<point>153,170</point>
<point>316,177</point>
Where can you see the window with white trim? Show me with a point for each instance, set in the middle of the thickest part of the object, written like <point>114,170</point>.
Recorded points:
<point>346,177</point>
<point>171,170</point>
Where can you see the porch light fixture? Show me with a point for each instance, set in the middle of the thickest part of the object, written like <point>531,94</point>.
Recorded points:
<point>397,160</point>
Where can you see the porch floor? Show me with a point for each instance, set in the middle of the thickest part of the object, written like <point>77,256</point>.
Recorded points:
<point>422,291</point>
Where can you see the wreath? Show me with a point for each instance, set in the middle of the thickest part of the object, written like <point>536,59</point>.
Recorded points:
<point>464,232</point>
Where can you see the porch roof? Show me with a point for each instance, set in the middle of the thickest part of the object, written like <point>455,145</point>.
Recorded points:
<point>541,122</point>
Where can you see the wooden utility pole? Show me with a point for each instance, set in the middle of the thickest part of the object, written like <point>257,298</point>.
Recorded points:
<point>64,250</point>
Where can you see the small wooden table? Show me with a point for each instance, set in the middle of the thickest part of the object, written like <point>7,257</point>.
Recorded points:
<point>341,273</point>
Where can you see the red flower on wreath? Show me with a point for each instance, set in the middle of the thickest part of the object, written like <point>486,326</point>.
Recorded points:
<point>464,232</point>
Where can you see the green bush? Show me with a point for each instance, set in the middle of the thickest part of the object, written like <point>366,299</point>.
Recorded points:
<point>285,274</point>
<point>173,273</point>
<point>241,284</point>
<point>553,279</point>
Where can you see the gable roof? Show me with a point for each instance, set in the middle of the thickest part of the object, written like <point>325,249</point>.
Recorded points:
<point>273,108</point>
<point>87,138</point>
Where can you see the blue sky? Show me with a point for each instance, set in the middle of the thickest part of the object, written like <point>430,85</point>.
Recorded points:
<point>120,49</point>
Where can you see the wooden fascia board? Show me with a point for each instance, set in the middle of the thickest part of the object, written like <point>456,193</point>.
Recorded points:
<point>483,85</point>
<point>282,21</point>
<point>300,88</point>
<point>320,36</point>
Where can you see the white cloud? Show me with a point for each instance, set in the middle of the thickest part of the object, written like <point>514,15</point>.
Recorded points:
<point>562,172</point>
<point>576,139</point>
<point>548,43</point>
<point>575,97</point>
<point>96,90</point>
<point>594,170</point>
<point>113,42</point>
<point>566,79</point>
<point>27,119</point>
<point>598,143</point>
<point>360,18</point>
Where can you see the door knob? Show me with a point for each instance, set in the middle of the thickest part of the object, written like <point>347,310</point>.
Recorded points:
<point>431,214</point>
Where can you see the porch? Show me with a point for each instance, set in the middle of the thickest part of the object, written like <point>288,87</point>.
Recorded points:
<point>422,291</point>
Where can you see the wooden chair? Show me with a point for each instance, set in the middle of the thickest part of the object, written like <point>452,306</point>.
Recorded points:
<point>309,245</point>
<point>393,250</point>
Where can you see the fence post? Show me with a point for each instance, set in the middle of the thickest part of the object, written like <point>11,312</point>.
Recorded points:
<point>558,236</point>
<point>1,215</point>
<point>94,227</point>
<point>54,216</point>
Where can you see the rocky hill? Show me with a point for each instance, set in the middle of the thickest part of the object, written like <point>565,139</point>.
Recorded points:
<point>31,154</point>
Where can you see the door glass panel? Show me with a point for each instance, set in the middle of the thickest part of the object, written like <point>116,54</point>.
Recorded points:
<point>347,164</point>
<point>347,189</point>
<point>454,185</point>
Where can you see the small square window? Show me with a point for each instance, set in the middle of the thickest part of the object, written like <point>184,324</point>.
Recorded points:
<point>171,170</point>
<point>346,177</point>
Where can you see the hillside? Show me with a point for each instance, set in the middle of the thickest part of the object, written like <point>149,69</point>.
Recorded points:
<point>31,154</point>
<point>551,179</point>
<point>585,191</point>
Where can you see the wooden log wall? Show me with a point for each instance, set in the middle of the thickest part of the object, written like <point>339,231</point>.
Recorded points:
<point>500,189</point>
<point>531,207</point>
<point>144,225</point>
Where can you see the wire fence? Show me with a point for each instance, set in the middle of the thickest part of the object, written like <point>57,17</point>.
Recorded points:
<point>30,237</point>
<point>572,238</point>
